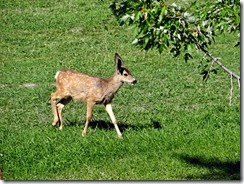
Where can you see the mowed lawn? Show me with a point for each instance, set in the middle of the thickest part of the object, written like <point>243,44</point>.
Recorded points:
<point>175,126</point>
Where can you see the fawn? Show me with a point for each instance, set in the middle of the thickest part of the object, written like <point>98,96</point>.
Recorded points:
<point>90,89</point>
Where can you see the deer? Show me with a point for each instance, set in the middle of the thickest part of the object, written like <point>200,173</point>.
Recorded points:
<point>73,85</point>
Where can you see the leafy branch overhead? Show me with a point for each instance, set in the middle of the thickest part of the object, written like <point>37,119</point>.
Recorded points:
<point>179,28</point>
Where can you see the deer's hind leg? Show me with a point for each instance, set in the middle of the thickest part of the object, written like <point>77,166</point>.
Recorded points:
<point>54,98</point>
<point>60,106</point>
<point>56,105</point>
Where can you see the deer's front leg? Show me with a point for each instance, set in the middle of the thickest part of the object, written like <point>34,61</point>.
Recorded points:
<point>109,109</point>
<point>88,116</point>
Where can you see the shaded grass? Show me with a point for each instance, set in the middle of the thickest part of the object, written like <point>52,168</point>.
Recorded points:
<point>175,126</point>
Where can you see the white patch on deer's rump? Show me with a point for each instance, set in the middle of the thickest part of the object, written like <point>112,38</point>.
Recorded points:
<point>60,105</point>
<point>56,76</point>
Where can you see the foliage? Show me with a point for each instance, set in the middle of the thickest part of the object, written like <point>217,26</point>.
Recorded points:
<point>158,24</point>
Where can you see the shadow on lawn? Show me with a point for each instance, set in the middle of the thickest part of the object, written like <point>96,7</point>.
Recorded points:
<point>218,170</point>
<point>106,125</point>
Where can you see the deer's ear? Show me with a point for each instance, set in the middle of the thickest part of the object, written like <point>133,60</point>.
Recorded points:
<point>118,61</point>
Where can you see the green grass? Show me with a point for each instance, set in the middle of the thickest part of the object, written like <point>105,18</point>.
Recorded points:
<point>175,126</point>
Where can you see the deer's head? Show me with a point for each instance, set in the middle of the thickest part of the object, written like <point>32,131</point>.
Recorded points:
<point>123,73</point>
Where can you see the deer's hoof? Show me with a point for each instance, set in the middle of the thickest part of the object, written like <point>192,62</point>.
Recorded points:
<point>83,134</point>
<point>120,137</point>
<point>54,123</point>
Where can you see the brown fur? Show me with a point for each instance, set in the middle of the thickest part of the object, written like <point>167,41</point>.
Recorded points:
<point>90,89</point>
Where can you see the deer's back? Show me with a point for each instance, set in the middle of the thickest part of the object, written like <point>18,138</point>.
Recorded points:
<point>80,86</point>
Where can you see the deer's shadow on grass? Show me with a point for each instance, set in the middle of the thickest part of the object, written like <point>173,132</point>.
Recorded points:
<point>106,125</point>
<point>218,170</point>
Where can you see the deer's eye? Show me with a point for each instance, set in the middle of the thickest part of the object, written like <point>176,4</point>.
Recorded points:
<point>125,74</point>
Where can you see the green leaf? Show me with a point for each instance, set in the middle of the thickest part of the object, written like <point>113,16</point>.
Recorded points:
<point>146,40</point>
<point>190,48</point>
<point>187,56</point>
<point>135,41</point>
<point>205,75</point>
<point>161,48</point>
<point>166,40</point>
<point>137,15</point>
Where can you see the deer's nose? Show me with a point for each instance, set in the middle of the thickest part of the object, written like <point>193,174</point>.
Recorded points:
<point>134,82</point>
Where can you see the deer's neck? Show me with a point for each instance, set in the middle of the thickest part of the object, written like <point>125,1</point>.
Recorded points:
<point>113,83</point>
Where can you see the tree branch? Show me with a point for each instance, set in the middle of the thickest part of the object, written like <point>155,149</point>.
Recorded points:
<point>231,89</point>
<point>216,60</point>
